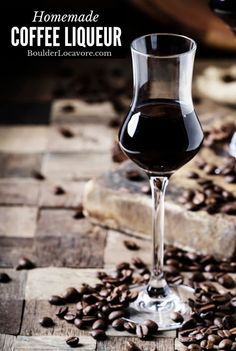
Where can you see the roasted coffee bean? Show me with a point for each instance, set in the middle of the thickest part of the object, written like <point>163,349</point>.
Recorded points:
<point>46,322</point>
<point>177,280</point>
<point>89,310</point>
<point>130,327</point>
<point>38,175</point>
<point>197,277</point>
<point>225,344</point>
<point>59,190</point>
<point>98,334</point>
<point>73,341</point>
<point>79,323</point>
<point>56,300</point>
<point>192,175</point>
<point>138,262</point>
<point>24,263</point>
<point>131,245</point>
<point>224,333</point>
<point>122,265</point>
<point>131,346</point>
<point>188,324</point>
<point>227,281</point>
<point>229,208</point>
<point>133,296</point>
<point>99,324</point>
<point>220,299</point>
<point>194,347</point>
<point>199,198</point>
<point>79,212</point>
<point>71,295</point>
<point>115,315</point>
<point>233,347</point>
<point>66,132</point>
<point>152,326</point>
<point>4,278</point>
<point>207,308</point>
<point>89,320</point>
<point>60,313</point>
<point>134,176</point>
<point>176,317</point>
<point>233,302</point>
<point>70,317</point>
<point>118,324</point>
<point>68,108</point>
<point>233,331</point>
<point>214,338</point>
<point>228,321</point>
<point>142,331</point>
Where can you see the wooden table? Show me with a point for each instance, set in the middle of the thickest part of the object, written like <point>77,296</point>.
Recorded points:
<point>37,223</point>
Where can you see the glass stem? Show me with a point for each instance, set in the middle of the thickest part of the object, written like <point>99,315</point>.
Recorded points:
<point>157,286</point>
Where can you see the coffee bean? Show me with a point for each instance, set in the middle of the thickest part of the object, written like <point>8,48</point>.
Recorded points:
<point>60,313</point>
<point>233,302</point>
<point>99,324</point>
<point>70,317</point>
<point>194,347</point>
<point>38,175</point>
<point>131,245</point>
<point>224,333</point>
<point>227,281</point>
<point>214,338</point>
<point>225,344</point>
<point>79,323</point>
<point>134,175</point>
<point>233,347</point>
<point>59,190</point>
<point>46,322</point>
<point>130,327</point>
<point>228,321</point>
<point>138,262</point>
<point>56,300</point>
<point>98,334</point>
<point>197,277</point>
<point>89,310</point>
<point>152,326</point>
<point>176,317</point>
<point>79,212</point>
<point>66,132</point>
<point>4,278</point>
<point>24,263</point>
<point>198,198</point>
<point>118,324</point>
<point>207,308</point>
<point>131,346</point>
<point>229,208</point>
<point>122,265</point>
<point>115,315</point>
<point>71,295</point>
<point>72,341</point>
<point>192,175</point>
<point>89,320</point>
<point>142,331</point>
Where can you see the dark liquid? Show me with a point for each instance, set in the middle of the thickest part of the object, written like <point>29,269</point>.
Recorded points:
<point>226,10</point>
<point>160,137</point>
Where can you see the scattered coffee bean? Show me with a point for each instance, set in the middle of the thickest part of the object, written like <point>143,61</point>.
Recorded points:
<point>134,176</point>
<point>79,323</point>
<point>176,317</point>
<point>152,326</point>
<point>194,347</point>
<point>130,327</point>
<point>4,278</point>
<point>225,344</point>
<point>118,324</point>
<point>131,245</point>
<point>24,263</point>
<point>71,295</point>
<point>116,315</point>
<point>79,212</point>
<point>68,108</point>
<point>46,322</point>
<point>131,346</point>
<point>227,281</point>
<point>67,133</point>
<point>56,300</point>
<point>98,334</point>
<point>142,331</point>
<point>38,175</point>
<point>99,324</point>
<point>60,313</point>
<point>59,190</point>
<point>73,341</point>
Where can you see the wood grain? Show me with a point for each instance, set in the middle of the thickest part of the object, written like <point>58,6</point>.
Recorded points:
<point>13,192</point>
<point>19,165</point>
<point>14,248</point>
<point>7,342</point>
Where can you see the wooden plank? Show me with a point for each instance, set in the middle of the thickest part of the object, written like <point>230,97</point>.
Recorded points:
<point>86,137</point>
<point>19,165</point>
<point>179,346</point>
<point>76,166</point>
<point>62,240</point>
<point>18,221</point>
<point>15,289</point>
<point>23,139</point>
<point>13,192</point>
<point>51,343</point>
<point>13,248</point>
<point>7,342</point>
<point>72,197</point>
<point>115,343</point>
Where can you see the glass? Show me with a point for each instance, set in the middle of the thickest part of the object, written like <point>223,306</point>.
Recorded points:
<point>161,133</point>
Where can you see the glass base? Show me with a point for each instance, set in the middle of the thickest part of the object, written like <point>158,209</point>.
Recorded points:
<point>159,310</point>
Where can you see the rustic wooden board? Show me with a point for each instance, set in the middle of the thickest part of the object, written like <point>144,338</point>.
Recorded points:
<point>13,192</point>
<point>72,197</point>
<point>23,139</point>
<point>51,343</point>
<point>17,221</point>
<point>115,343</point>
<point>62,240</point>
<point>82,112</point>
<point>86,137</point>
<point>75,166</point>
<point>19,165</point>
<point>7,342</point>
<point>12,248</point>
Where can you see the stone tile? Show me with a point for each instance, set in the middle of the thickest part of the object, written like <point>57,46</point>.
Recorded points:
<point>83,112</point>
<point>19,192</point>
<point>13,248</point>
<point>21,139</point>
<point>19,165</point>
<point>18,221</point>
<point>115,250</point>
<point>62,240</point>
<point>44,282</point>
<point>72,197</point>
<point>76,166</point>
<point>51,343</point>
<point>87,137</point>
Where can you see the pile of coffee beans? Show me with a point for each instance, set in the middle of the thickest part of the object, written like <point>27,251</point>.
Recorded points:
<point>212,324</point>
<point>219,135</point>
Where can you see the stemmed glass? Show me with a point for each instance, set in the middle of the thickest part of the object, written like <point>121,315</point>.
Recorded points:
<point>161,133</point>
